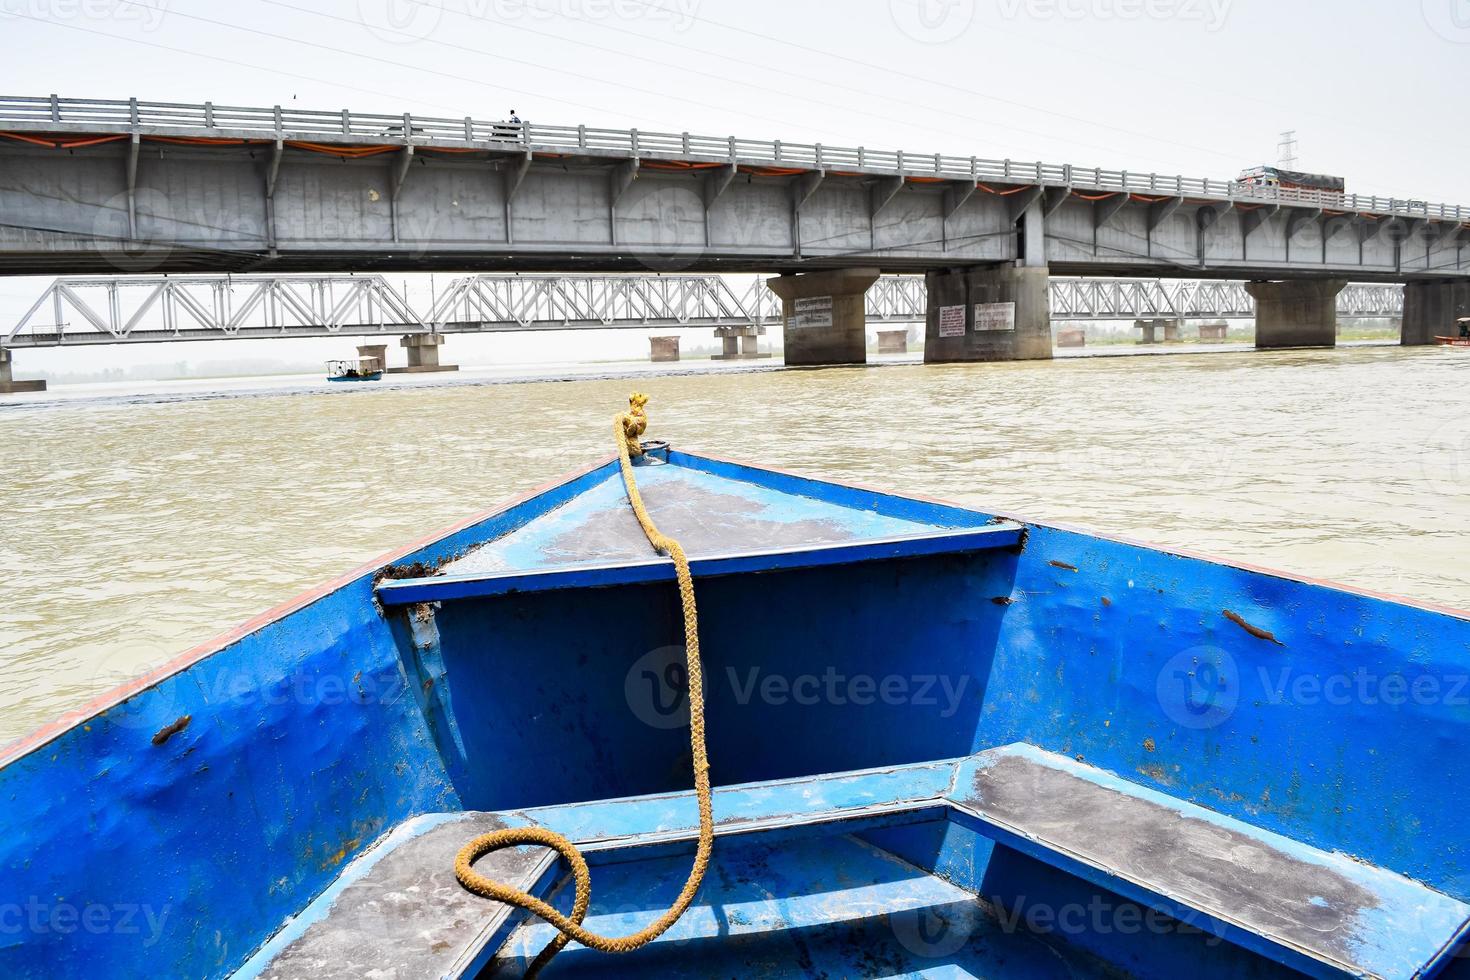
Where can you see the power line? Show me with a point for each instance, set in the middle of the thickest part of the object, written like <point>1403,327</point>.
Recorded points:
<point>781,71</point>
<point>255,66</point>
<point>890,70</point>
<point>273,70</point>
<point>597,47</point>
<point>445,74</point>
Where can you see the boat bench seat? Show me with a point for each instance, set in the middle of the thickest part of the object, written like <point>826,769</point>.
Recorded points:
<point>398,912</point>
<point>1322,913</point>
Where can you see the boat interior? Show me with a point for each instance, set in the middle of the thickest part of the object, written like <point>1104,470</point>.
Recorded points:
<point>944,743</point>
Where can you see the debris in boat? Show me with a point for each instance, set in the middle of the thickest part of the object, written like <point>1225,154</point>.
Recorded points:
<point>1255,631</point>
<point>1002,600</point>
<point>1148,745</point>
<point>416,569</point>
<point>169,731</point>
<point>1062,564</point>
<point>1106,601</point>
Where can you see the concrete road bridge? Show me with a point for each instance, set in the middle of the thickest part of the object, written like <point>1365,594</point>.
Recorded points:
<point>90,310</point>
<point>126,185</point>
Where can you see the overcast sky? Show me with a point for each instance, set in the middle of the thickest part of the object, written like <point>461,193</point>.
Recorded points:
<point>1376,89</point>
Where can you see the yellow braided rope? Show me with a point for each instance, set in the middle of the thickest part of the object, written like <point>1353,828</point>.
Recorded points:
<point>627,427</point>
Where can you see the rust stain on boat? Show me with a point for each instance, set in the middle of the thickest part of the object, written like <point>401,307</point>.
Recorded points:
<point>169,731</point>
<point>341,855</point>
<point>1255,631</point>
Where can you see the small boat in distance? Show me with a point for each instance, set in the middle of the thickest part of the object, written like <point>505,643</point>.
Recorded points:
<point>942,742</point>
<point>355,369</point>
<point>1463,340</point>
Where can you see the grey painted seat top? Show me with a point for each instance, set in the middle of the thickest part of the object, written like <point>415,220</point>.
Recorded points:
<point>1337,915</point>
<point>405,916</point>
<point>709,515</point>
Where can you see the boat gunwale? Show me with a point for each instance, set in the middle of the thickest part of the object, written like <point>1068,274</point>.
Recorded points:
<point>921,544</point>
<point>50,731</point>
<point>1166,549</point>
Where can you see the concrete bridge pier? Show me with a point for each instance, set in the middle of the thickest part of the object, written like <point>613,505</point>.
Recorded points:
<point>1170,327</point>
<point>999,313</point>
<point>661,349</point>
<point>423,354</point>
<point>376,351</point>
<point>893,341</point>
<point>8,384</point>
<point>825,315</point>
<point>1431,309</point>
<point>1297,313</point>
<point>741,343</point>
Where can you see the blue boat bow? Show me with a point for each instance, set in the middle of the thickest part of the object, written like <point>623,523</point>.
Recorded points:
<point>945,743</point>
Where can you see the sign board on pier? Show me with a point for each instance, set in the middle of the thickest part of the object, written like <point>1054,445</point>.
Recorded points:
<point>811,311</point>
<point>951,321</point>
<point>995,316</point>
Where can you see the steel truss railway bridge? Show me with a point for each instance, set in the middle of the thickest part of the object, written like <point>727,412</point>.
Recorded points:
<point>154,309</point>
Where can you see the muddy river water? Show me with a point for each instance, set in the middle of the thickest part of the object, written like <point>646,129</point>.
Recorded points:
<point>134,530</point>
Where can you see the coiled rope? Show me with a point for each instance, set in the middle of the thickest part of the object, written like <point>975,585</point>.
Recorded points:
<point>627,427</point>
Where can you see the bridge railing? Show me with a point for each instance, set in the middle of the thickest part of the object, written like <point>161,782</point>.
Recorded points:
<point>61,115</point>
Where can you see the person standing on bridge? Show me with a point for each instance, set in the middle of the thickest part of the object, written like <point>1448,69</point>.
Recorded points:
<point>515,120</point>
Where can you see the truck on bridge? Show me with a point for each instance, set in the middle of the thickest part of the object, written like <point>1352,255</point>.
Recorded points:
<point>1294,180</point>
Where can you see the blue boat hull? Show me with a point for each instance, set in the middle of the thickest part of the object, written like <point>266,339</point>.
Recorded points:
<point>195,812</point>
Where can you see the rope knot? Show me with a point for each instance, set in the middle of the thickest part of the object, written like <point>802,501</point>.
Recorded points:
<point>635,423</point>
